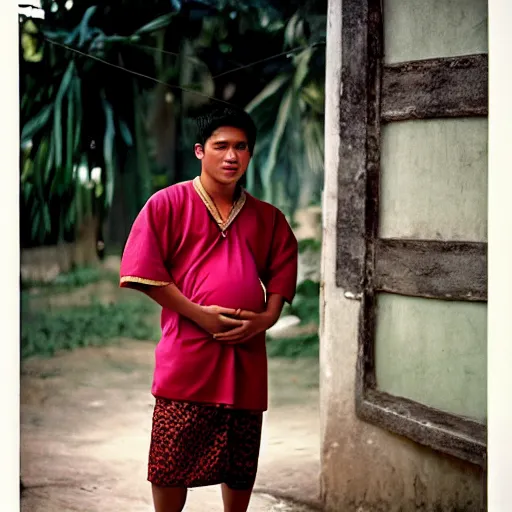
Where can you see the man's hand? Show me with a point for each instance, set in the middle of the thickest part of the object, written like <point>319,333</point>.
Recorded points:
<point>213,319</point>
<point>251,325</point>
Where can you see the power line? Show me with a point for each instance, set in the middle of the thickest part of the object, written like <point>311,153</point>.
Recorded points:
<point>185,89</point>
<point>287,52</point>
<point>244,66</point>
<point>106,62</point>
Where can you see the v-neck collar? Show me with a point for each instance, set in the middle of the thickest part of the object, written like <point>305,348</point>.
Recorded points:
<point>210,205</point>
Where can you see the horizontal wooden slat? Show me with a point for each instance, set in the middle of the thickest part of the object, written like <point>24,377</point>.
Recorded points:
<point>460,437</point>
<point>447,87</point>
<point>432,269</point>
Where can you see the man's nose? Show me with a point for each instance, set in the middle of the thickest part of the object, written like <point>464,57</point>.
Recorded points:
<point>231,154</point>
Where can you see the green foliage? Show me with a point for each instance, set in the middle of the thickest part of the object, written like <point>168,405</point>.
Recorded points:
<point>69,125</point>
<point>43,333</point>
<point>306,303</point>
<point>78,277</point>
<point>305,345</point>
<point>306,306</point>
<point>80,109</point>
<point>309,244</point>
<point>287,168</point>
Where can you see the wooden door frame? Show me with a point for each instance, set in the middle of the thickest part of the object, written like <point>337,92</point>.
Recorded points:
<point>373,93</point>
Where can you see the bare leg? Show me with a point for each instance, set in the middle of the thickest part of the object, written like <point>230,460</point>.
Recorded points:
<point>169,499</point>
<point>235,501</point>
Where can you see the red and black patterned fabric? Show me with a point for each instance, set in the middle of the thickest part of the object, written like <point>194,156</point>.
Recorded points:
<point>194,445</point>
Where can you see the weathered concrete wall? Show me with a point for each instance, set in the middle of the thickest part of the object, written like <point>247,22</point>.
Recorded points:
<point>424,29</point>
<point>364,468</point>
<point>433,352</point>
<point>45,263</point>
<point>434,195</point>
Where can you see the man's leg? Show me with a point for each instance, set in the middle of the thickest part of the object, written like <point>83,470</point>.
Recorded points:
<point>235,501</point>
<point>169,499</point>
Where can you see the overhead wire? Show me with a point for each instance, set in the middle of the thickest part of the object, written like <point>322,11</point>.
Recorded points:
<point>174,86</point>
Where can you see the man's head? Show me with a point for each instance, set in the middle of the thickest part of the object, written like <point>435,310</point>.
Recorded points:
<point>226,139</point>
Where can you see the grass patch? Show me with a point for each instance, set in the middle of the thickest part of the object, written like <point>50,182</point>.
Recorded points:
<point>75,278</point>
<point>43,333</point>
<point>305,345</point>
<point>47,331</point>
<point>309,244</point>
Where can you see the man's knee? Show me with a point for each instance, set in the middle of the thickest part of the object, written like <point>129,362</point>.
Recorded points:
<point>169,499</point>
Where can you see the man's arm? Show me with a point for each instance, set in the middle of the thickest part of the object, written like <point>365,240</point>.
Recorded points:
<point>254,323</point>
<point>210,318</point>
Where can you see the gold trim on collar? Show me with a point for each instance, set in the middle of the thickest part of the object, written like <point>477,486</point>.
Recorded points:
<point>210,205</point>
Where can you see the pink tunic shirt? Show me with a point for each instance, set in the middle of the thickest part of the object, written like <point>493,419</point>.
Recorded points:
<point>176,238</point>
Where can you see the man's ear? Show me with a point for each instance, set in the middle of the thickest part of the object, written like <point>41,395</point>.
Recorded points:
<point>199,151</point>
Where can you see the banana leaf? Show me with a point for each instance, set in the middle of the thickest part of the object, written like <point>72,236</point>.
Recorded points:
<point>108,152</point>
<point>268,92</point>
<point>57,118</point>
<point>84,25</point>
<point>37,123</point>
<point>157,24</point>
<point>282,117</point>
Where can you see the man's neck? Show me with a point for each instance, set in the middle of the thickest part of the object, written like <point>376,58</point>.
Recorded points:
<point>221,194</point>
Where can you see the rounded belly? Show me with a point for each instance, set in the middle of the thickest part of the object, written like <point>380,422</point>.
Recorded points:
<point>235,284</point>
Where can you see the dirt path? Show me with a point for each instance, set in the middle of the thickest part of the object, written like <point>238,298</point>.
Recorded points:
<point>85,424</point>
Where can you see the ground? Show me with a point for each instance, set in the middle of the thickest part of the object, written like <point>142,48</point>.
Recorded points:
<point>85,424</point>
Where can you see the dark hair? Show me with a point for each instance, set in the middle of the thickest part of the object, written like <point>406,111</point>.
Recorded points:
<point>213,117</point>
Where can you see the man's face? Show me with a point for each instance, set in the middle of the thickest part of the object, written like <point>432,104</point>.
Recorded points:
<point>225,156</point>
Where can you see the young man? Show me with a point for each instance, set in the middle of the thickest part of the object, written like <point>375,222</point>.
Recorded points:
<point>202,250</point>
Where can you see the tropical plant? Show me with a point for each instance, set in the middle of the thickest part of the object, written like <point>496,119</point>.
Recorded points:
<point>287,167</point>
<point>77,116</point>
<point>94,122</point>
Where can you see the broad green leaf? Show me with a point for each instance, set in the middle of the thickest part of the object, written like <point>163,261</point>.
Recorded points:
<point>176,4</point>
<point>30,27</point>
<point>49,160</point>
<point>27,170</point>
<point>39,165</point>
<point>36,227</point>
<point>156,24</point>
<point>27,189</point>
<point>30,44</point>
<point>77,84</point>
<point>108,151</point>
<point>57,118</point>
<point>70,127</point>
<point>289,31</point>
<point>303,60</point>
<point>70,38</point>
<point>143,168</point>
<point>281,121</point>
<point>268,92</point>
<point>225,47</point>
<point>84,24</point>
<point>47,222</point>
<point>115,38</point>
<point>313,145</point>
<point>98,190</point>
<point>251,175</point>
<point>314,96</point>
<point>55,35</point>
<point>35,124</point>
<point>125,133</point>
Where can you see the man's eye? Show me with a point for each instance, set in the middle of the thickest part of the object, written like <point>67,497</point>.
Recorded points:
<point>242,146</point>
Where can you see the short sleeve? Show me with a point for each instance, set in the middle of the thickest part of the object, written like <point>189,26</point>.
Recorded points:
<point>281,275</point>
<point>146,250</point>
